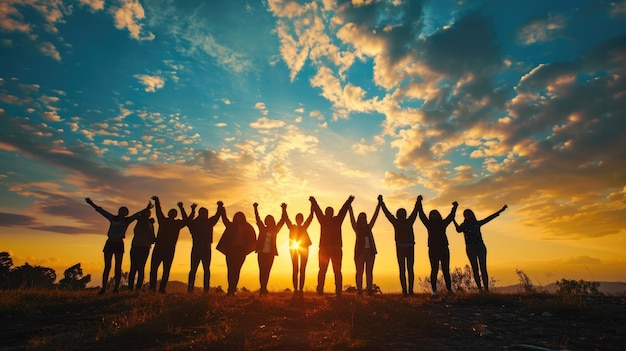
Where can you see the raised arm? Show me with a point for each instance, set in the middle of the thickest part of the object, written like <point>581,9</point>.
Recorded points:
<point>218,213</point>
<point>193,211</point>
<point>459,229</point>
<point>99,209</point>
<point>157,208</point>
<point>413,215</point>
<point>225,219</point>
<point>283,217</point>
<point>308,220</point>
<point>496,214</point>
<point>344,209</point>
<point>139,213</point>
<point>420,211</point>
<point>388,214</point>
<point>375,216</point>
<point>352,221</point>
<point>316,209</point>
<point>259,222</point>
<point>450,217</point>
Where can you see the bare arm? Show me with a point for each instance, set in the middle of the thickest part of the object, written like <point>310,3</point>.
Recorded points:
<point>316,208</point>
<point>375,216</point>
<point>307,222</point>
<point>420,211</point>
<point>352,221</point>
<point>218,213</point>
<point>388,214</point>
<point>413,215</point>
<point>157,208</point>
<point>496,214</point>
<point>344,209</point>
<point>259,222</point>
<point>450,217</point>
<point>283,217</point>
<point>99,209</point>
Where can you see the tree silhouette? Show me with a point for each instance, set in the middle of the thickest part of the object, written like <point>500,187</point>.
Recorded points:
<point>74,279</point>
<point>6,262</point>
<point>32,277</point>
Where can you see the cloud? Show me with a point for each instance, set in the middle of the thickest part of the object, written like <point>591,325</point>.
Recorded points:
<point>151,83</point>
<point>266,123</point>
<point>13,220</point>
<point>541,29</point>
<point>128,16</point>
<point>261,107</point>
<point>94,5</point>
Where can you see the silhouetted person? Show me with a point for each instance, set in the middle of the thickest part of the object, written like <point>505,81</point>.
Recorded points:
<point>475,246</point>
<point>140,249</point>
<point>266,244</point>
<point>165,246</point>
<point>201,229</point>
<point>405,243</point>
<point>364,249</point>
<point>238,240</point>
<point>299,242</point>
<point>330,242</point>
<point>438,250</point>
<point>115,241</point>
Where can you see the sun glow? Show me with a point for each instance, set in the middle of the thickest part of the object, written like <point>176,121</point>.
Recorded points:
<point>294,245</point>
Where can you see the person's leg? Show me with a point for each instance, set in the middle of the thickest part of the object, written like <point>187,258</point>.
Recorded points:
<point>304,257</point>
<point>239,259</point>
<point>434,269</point>
<point>482,260</point>
<point>195,261</point>
<point>168,259</point>
<point>133,267</point>
<point>336,258</point>
<point>402,268</point>
<point>118,271</point>
<point>359,262</point>
<point>369,271</point>
<point>263,274</point>
<point>206,264</point>
<point>473,258</point>
<point>410,259</point>
<point>155,262</point>
<point>230,267</point>
<point>267,262</point>
<point>445,267</point>
<point>321,276</point>
<point>108,256</point>
<point>142,258</point>
<point>294,268</point>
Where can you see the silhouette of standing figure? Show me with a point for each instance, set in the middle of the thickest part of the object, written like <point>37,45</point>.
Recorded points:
<point>299,242</point>
<point>364,249</point>
<point>266,244</point>
<point>238,240</point>
<point>165,247</point>
<point>405,243</point>
<point>330,242</point>
<point>438,250</point>
<point>114,245</point>
<point>140,249</point>
<point>201,229</point>
<point>475,246</point>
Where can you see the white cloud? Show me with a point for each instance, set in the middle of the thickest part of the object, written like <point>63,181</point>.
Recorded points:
<point>128,16</point>
<point>151,83</point>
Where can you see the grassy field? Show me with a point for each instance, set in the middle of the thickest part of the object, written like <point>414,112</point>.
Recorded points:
<point>57,320</point>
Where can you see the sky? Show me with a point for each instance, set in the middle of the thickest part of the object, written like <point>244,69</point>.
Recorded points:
<point>482,102</point>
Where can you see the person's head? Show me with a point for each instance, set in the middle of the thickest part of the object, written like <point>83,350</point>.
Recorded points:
<point>203,213</point>
<point>329,212</point>
<point>239,218</point>
<point>401,213</point>
<point>172,213</point>
<point>269,221</point>
<point>434,215</point>
<point>361,220</point>
<point>469,215</point>
<point>123,211</point>
<point>299,219</point>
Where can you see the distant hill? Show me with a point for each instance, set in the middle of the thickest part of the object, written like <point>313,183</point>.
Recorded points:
<point>607,288</point>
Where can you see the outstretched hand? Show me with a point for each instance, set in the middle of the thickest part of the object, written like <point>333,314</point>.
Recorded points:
<point>194,205</point>
<point>312,199</point>
<point>88,200</point>
<point>255,205</point>
<point>503,208</point>
<point>283,206</point>
<point>150,205</point>
<point>420,198</point>
<point>220,204</point>
<point>380,198</point>
<point>155,198</point>
<point>179,204</point>
<point>351,198</point>
<point>455,204</point>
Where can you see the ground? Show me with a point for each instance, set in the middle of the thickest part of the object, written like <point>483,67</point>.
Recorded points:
<point>280,321</point>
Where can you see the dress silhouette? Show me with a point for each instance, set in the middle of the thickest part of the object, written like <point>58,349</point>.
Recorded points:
<point>238,240</point>
<point>114,245</point>
<point>330,242</point>
<point>140,249</point>
<point>266,244</point>
<point>405,243</point>
<point>165,246</point>
<point>201,230</point>
<point>364,249</point>
<point>299,243</point>
<point>475,246</point>
<point>438,250</point>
